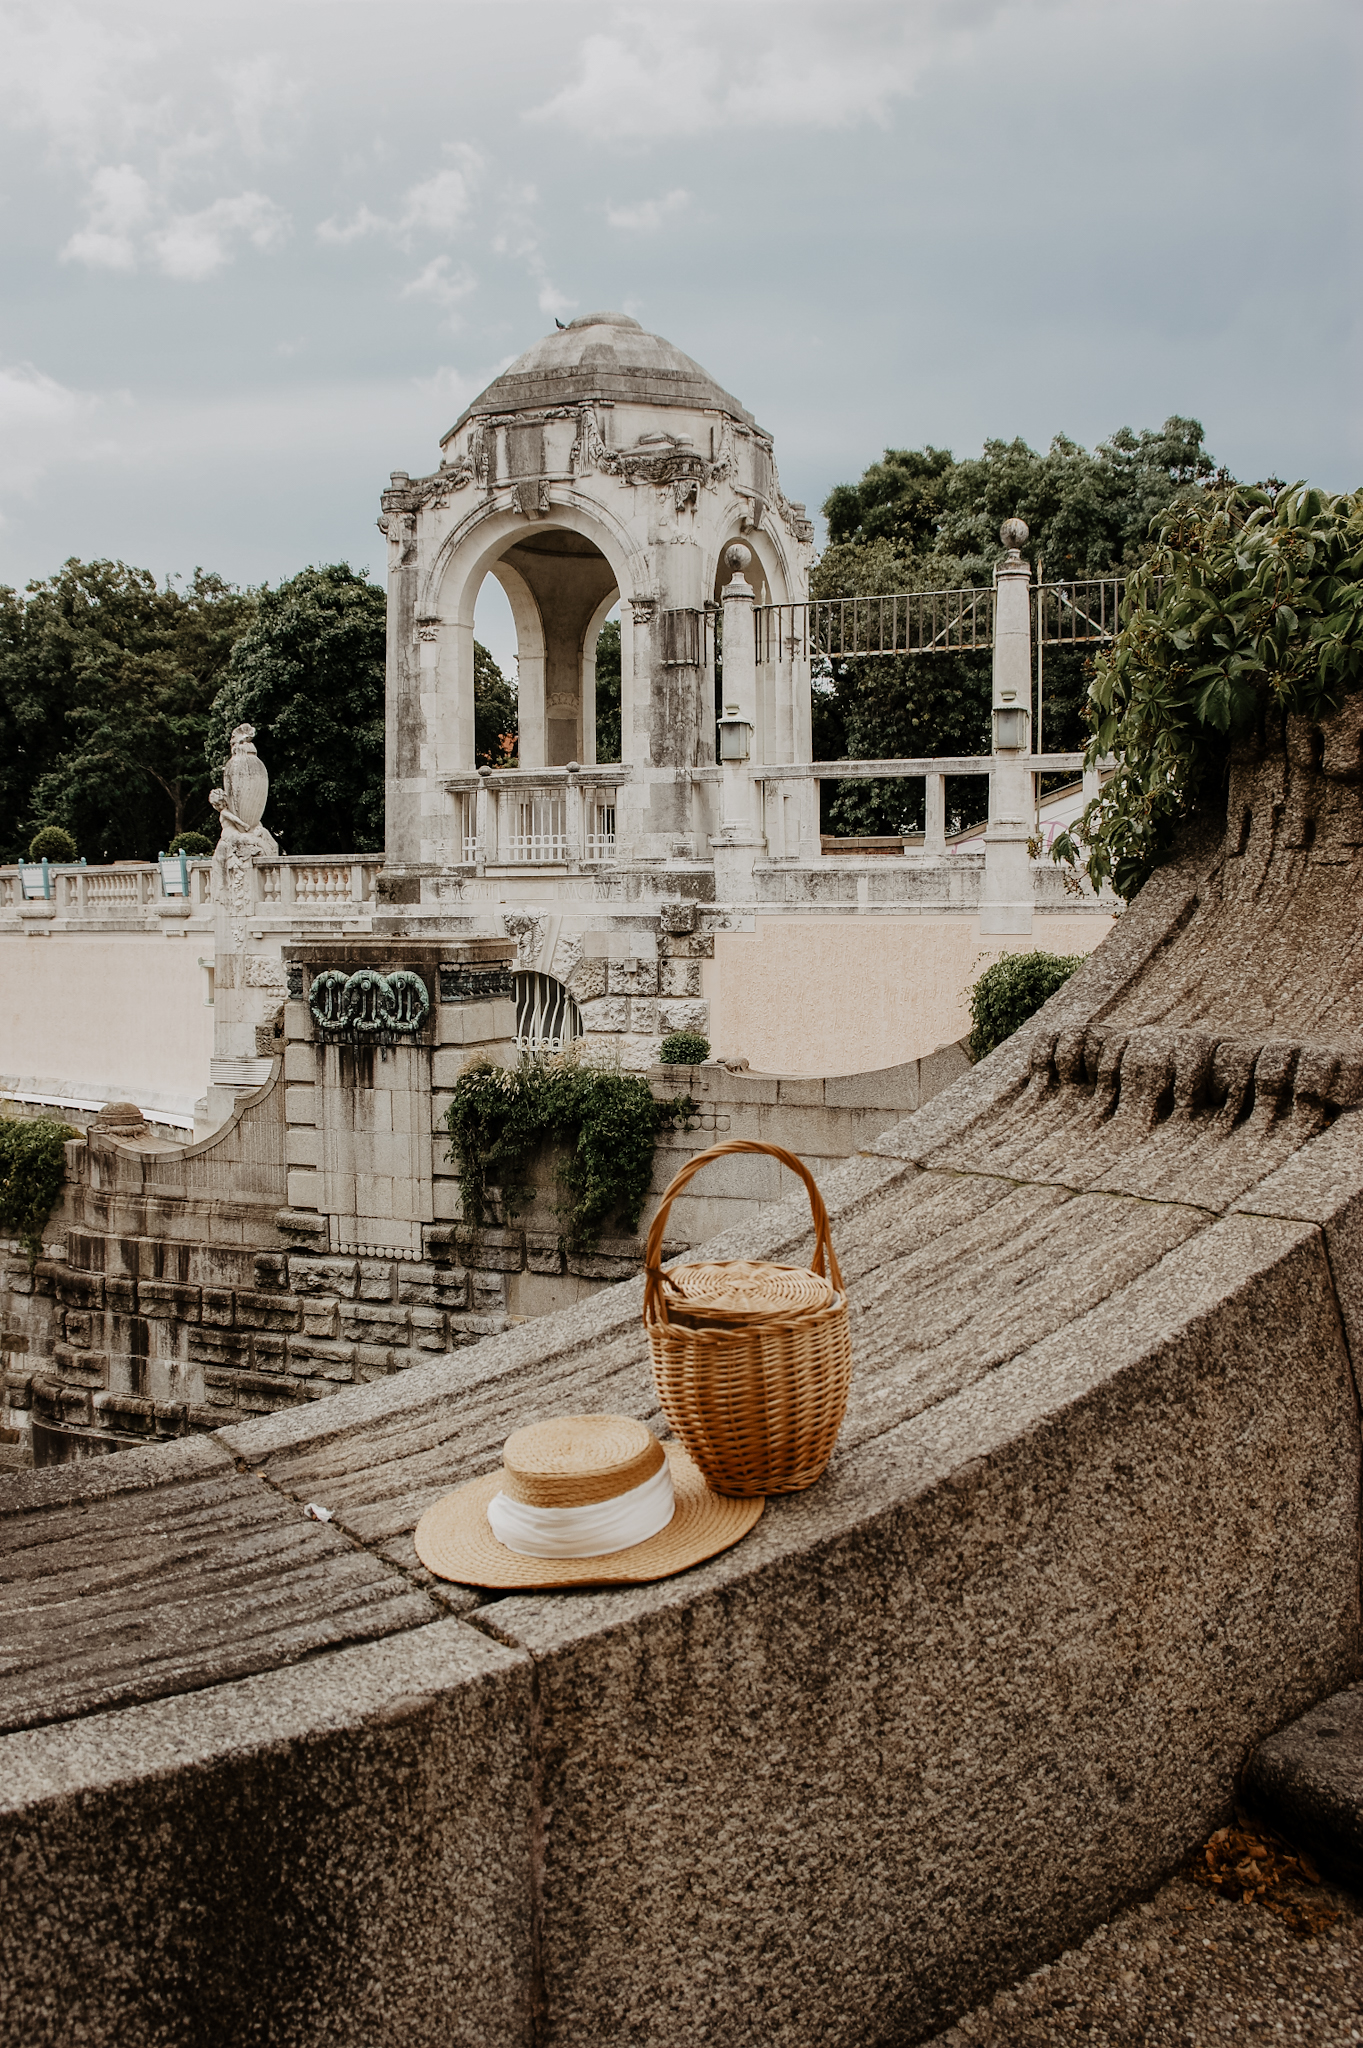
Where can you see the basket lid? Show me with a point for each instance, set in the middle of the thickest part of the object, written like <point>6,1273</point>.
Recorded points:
<point>746,1288</point>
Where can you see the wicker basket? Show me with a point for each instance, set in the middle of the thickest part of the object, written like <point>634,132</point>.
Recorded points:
<point>753,1361</point>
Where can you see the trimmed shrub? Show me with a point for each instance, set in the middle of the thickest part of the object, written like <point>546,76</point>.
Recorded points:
<point>52,843</point>
<point>195,844</point>
<point>1011,991</point>
<point>32,1170</point>
<point>683,1049</point>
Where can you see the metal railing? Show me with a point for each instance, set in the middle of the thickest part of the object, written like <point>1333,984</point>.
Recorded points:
<point>1075,613</point>
<point>858,628</point>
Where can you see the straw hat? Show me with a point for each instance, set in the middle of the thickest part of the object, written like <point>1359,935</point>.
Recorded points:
<point>579,1462</point>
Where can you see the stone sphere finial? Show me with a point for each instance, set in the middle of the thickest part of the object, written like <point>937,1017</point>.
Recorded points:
<point>1013,533</point>
<point>738,557</point>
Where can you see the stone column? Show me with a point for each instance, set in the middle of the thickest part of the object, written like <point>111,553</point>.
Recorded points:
<point>404,723</point>
<point>740,838</point>
<point>935,817</point>
<point>1006,907</point>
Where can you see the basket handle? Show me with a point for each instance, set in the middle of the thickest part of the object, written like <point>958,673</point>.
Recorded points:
<point>655,1280</point>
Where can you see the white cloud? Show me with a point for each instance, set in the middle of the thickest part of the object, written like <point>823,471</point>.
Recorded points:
<point>191,246</point>
<point>443,287</point>
<point>119,207</point>
<point>73,76</point>
<point>646,216</point>
<point>43,422</point>
<point>257,91</point>
<point>770,66</point>
<point>437,206</point>
<point>129,224</point>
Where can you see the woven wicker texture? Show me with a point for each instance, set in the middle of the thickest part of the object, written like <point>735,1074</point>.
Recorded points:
<point>455,1541</point>
<point>572,1460</point>
<point>753,1361</point>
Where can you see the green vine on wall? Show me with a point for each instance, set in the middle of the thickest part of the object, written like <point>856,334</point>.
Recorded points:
<point>32,1170</point>
<point>606,1122</point>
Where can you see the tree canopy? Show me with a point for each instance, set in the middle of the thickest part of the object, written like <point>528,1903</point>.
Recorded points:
<point>118,696</point>
<point>106,684</point>
<point>921,520</point>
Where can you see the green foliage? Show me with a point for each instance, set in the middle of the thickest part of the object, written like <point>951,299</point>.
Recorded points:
<point>195,844</point>
<point>106,681</point>
<point>1089,512</point>
<point>1250,607</point>
<point>496,715</point>
<point>606,1121</point>
<point>32,1170</point>
<point>920,520</point>
<point>683,1049</point>
<point>1011,991</point>
<point>608,692</point>
<point>52,844</point>
<point>308,675</point>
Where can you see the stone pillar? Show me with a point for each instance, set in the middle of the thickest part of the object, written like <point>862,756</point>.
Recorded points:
<point>739,839</point>
<point>935,817</point>
<point>404,723</point>
<point>1006,908</point>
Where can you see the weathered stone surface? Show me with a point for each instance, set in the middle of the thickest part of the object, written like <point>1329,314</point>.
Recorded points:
<point>1308,1780</point>
<point>1090,1534</point>
<point>339,1852</point>
<point>175,1582</point>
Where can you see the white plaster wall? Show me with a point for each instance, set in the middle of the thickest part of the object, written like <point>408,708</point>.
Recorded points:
<point>846,995</point>
<point>106,1017</point>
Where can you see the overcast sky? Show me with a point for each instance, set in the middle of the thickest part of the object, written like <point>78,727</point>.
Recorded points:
<point>257,256</point>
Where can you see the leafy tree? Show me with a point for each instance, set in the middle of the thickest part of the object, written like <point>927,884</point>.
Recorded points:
<point>1249,607</point>
<point>920,520</point>
<point>106,681</point>
<point>608,692</point>
<point>308,674</point>
<point>496,717</point>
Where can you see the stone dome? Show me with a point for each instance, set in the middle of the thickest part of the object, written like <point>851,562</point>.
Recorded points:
<point>602,355</point>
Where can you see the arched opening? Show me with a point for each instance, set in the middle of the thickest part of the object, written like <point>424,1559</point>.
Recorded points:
<point>547,1018</point>
<point>571,586</point>
<point>602,682</point>
<point>496,712</point>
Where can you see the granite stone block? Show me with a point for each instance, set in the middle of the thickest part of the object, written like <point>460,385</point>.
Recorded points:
<point>1307,1780</point>
<point>338,1911</point>
<point>255,1311</point>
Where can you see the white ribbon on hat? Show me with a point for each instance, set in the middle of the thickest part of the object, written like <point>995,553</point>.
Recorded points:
<point>598,1529</point>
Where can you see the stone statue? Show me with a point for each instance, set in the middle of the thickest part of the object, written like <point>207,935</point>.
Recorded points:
<point>242,839</point>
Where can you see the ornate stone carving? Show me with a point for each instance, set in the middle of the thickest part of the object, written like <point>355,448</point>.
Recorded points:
<point>368,1006</point>
<point>660,459</point>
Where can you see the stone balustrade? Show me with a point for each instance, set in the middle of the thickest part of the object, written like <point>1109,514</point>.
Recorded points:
<point>292,884</point>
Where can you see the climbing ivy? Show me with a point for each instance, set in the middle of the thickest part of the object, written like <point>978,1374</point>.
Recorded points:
<point>32,1169</point>
<point>605,1121</point>
<point>1250,607</point>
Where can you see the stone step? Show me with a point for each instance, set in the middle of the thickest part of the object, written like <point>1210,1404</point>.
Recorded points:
<point>1307,1780</point>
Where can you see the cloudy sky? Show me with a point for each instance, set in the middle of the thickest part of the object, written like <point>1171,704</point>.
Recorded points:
<point>256,256</point>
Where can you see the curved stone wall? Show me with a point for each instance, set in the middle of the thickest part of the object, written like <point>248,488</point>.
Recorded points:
<point>1092,1531</point>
